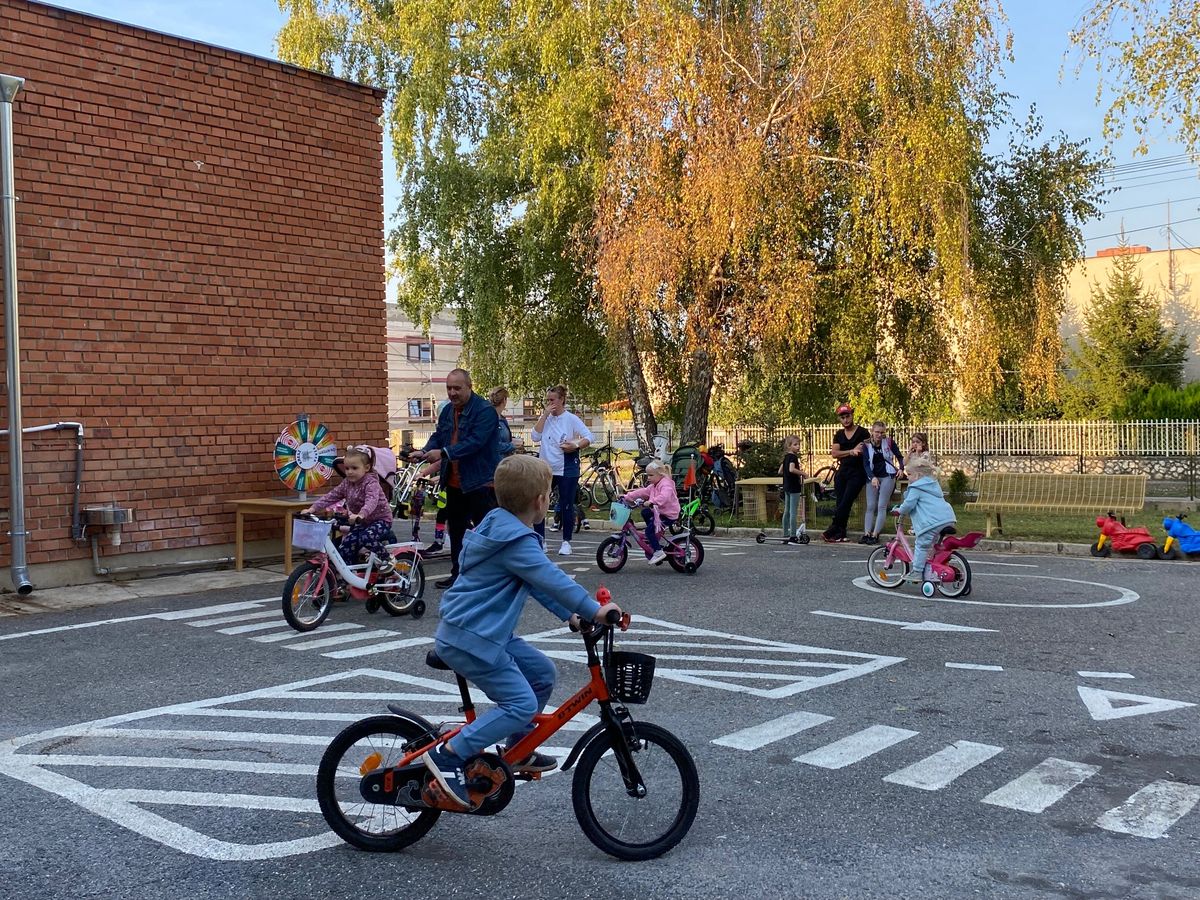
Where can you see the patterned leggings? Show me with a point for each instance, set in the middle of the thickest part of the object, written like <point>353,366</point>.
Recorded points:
<point>374,537</point>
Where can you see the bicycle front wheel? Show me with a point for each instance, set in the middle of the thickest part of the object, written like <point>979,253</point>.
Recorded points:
<point>601,494</point>
<point>364,747</point>
<point>884,573</point>
<point>612,554</point>
<point>636,828</point>
<point>307,596</point>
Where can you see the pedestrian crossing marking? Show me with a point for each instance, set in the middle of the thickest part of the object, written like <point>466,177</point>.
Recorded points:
<point>1152,810</point>
<point>856,747</point>
<point>246,629</point>
<point>776,729</point>
<point>1042,786</point>
<point>935,772</point>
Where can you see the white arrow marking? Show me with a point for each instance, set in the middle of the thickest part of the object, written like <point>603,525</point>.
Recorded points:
<point>907,626</point>
<point>1100,704</point>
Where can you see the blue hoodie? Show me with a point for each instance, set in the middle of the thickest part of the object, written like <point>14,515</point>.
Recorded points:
<point>924,503</point>
<point>502,563</point>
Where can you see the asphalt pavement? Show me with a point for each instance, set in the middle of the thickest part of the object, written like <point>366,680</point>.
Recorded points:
<point>1036,738</point>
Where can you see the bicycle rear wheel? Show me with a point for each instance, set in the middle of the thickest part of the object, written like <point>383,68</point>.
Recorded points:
<point>307,596</point>
<point>398,592</point>
<point>636,827</point>
<point>370,745</point>
<point>962,577</point>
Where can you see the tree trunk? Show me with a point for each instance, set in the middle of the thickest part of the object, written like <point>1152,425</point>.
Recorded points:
<point>634,379</point>
<point>699,394</point>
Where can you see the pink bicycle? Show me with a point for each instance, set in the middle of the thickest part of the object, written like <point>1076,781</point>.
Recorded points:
<point>684,551</point>
<point>951,573</point>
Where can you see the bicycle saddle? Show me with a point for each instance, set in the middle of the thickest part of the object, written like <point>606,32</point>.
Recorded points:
<point>949,529</point>
<point>436,662</point>
<point>643,461</point>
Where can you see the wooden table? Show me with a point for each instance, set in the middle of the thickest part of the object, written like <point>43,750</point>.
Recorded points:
<point>761,487</point>
<point>268,506</point>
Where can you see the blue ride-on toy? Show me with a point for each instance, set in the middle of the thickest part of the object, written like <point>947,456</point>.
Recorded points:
<point>1182,538</point>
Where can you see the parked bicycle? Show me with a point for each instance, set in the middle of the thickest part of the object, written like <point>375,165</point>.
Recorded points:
<point>395,584</point>
<point>684,551</point>
<point>949,571</point>
<point>599,480</point>
<point>635,790</point>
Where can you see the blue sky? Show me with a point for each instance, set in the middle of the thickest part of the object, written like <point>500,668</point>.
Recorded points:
<point>1039,30</point>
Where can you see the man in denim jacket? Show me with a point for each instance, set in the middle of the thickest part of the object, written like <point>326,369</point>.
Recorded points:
<point>464,446</point>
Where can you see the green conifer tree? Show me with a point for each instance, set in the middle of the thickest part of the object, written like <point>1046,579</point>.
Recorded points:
<point>1125,347</point>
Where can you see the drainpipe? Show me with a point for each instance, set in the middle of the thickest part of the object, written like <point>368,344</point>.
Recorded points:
<point>76,521</point>
<point>9,86</point>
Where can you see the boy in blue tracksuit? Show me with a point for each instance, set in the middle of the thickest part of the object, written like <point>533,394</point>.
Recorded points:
<point>927,507</point>
<point>503,562</point>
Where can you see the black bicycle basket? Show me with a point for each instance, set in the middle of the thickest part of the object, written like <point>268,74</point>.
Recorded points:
<point>630,676</point>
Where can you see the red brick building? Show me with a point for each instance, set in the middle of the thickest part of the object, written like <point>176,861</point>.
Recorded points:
<point>200,255</point>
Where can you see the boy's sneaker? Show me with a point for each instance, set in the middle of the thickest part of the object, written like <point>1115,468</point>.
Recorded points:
<point>565,549</point>
<point>658,557</point>
<point>536,762</point>
<point>435,547</point>
<point>552,526</point>
<point>447,770</point>
<point>586,526</point>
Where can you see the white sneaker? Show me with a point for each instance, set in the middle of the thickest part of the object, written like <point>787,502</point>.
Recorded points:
<point>564,549</point>
<point>657,558</point>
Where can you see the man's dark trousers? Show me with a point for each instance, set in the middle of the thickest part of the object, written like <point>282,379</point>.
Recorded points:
<point>463,510</point>
<point>848,483</point>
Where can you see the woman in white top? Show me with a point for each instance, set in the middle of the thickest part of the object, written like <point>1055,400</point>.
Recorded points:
<point>561,435</point>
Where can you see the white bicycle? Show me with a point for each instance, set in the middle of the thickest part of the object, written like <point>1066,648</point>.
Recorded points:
<point>395,584</point>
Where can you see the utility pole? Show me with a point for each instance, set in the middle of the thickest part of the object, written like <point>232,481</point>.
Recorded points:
<point>1170,256</point>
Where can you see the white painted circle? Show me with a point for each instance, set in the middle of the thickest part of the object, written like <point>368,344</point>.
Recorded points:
<point>863,582</point>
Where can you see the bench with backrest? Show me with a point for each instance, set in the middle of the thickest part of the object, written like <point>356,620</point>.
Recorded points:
<point>999,492</point>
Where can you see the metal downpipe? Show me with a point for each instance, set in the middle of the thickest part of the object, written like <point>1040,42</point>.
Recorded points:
<point>9,86</point>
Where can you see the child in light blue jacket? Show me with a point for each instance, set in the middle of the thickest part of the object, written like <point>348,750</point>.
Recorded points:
<point>502,563</point>
<point>927,507</point>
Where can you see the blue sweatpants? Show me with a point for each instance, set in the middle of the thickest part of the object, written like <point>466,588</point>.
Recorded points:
<point>520,685</point>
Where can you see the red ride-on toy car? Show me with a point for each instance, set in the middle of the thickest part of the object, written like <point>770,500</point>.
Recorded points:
<point>1114,535</point>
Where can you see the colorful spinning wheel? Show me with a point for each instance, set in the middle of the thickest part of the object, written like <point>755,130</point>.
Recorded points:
<point>304,455</point>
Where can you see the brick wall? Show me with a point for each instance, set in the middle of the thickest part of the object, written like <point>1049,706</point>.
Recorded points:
<point>200,254</point>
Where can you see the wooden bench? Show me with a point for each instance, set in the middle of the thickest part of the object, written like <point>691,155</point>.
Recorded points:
<point>1094,494</point>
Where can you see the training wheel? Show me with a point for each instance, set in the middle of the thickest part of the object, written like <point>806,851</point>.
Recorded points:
<point>372,605</point>
<point>418,609</point>
<point>690,568</point>
<point>804,539</point>
<point>760,538</point>
<point>927,588</point>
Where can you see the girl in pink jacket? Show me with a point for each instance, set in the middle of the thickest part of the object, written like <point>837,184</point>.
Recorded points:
<point>660,494</point>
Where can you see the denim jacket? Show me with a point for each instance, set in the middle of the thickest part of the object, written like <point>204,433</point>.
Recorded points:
<point>476,451</point>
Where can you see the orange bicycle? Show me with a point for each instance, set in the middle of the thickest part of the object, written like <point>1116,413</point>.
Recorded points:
<point>635,789</point>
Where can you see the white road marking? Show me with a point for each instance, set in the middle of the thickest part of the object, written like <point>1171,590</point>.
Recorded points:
<point>978,667</point>
<point>1099,704</point>
<point>1042,786</point>
<point>176,734</point>
<point>1104,674</point>
<point>165,616</point>
<point>935,772</point>
<point>768,732</point>
<point>377,648</point>
<point>863,582</point>
<point>342,639</point>
<point>738,553</point>
<point>227,801</point>
<point>907,626</point>
<point>241,617</point>
<point>256,626</point>
<point>292,633</point>
<point>842,665</point>
<point>856,747</point>
<point>1152,810</point>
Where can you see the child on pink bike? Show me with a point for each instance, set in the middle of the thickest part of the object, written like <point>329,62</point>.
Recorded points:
<point>659,493</point>
<point>926,506</point>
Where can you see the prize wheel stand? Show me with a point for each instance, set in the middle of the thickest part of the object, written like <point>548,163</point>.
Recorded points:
<point>304,456</point>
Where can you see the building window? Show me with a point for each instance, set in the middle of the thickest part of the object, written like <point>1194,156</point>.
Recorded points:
<point>529,409</point>
<point>420,352</point>
<point>420,409</point>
